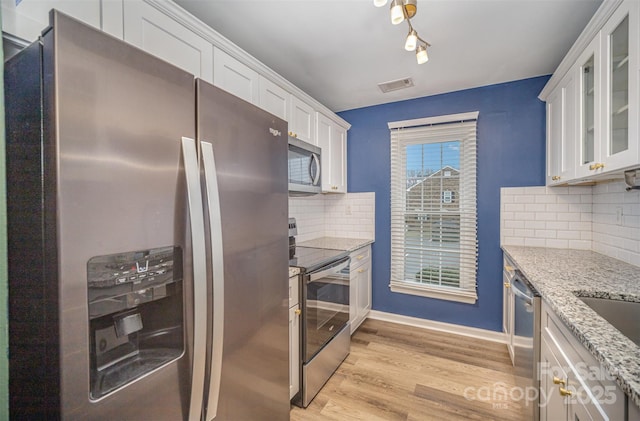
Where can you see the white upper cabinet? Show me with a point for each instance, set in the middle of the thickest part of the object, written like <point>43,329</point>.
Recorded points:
<point>332,139</point>
<point>159,34</point>
<point>593,112</point>
<point>561,131</point>
<point>235,77</point>
<point>589,100</point>
<point>30,17</point>
<point>302,121</point>
<point>274,99</point>
<point>620,39</point>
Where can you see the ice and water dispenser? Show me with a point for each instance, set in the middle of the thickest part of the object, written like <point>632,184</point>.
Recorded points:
<point>135,315</point>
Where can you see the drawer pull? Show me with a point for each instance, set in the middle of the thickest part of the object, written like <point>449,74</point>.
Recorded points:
<point>597,166</point>
<point>558,381</point>
<point>360,270</point>
<point>508,268</point>
<point>555,178</point>
<point>298,312</point>
<point>507,285</point>
<point>360,257</point>
<point>565,392</point>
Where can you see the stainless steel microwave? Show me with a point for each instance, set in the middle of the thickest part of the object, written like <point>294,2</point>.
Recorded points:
<point>304,168</point>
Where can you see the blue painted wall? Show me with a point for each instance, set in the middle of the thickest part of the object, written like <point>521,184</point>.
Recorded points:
<point>511,152</point>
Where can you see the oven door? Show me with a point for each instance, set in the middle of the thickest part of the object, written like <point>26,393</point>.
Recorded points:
<point>325,306</point>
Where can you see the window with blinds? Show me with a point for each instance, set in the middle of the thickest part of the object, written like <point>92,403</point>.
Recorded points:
<point>433,207</point>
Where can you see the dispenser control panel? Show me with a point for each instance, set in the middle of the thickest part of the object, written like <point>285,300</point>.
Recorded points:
<point>125,280</point>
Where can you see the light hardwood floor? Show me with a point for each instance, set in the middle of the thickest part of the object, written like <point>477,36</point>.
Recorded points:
<point>398,372</point>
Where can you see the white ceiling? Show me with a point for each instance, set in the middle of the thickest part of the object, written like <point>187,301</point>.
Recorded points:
<point>338,51</point>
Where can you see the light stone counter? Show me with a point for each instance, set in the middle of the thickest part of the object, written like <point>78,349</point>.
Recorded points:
<point>336,243</point>
<point>559,273</point>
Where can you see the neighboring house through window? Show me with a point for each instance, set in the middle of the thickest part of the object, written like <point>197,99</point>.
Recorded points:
<point>433,207</point>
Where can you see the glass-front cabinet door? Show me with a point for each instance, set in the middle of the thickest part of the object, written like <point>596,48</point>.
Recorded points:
<point>588,151</point>
<point>620,112</point>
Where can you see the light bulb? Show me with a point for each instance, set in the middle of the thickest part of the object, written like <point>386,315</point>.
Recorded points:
<point>379,3</point>
<point>397,14</point>
<point>421,54</point>
<point>412,40</point>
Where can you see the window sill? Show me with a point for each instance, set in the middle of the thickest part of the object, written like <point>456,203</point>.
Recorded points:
<point>441,293</point>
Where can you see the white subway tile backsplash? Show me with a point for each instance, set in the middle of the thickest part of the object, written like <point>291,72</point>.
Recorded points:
<point>350,215</point>
<point>581,217</point>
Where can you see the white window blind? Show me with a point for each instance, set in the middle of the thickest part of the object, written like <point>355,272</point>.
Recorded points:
<point>433,207</point>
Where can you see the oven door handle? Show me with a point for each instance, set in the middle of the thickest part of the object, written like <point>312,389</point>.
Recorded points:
<point>334,268</point>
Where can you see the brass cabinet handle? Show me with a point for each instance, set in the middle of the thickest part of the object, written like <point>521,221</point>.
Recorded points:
<point>360,270</point>
<point>558,381</point>
<point>298,312</point>
<point>555,178</point>
<point>565,392</point>
<point>597,166</point>
<point>507,285</point>
<point>508,268</point>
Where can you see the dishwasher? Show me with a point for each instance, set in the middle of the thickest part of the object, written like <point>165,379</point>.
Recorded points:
<point>526,341</point>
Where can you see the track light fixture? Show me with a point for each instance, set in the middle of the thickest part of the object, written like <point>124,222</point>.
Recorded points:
<point>404,10</point>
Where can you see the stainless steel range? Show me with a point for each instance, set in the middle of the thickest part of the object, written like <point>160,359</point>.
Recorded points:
<point>324,329</point>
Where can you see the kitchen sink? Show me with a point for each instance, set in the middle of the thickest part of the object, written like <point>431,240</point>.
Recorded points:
<point>623,315</point>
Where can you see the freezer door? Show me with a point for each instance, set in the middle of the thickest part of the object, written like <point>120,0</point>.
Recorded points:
<point>115,122</point>
<point>249,149</point>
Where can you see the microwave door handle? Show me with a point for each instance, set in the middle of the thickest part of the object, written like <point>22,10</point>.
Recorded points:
<point>315,177</point>
<point>196,219</point>
<point>217,263</point>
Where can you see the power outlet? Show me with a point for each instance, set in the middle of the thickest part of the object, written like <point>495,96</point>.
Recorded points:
<point>619,215</point>
<point>348,210</point>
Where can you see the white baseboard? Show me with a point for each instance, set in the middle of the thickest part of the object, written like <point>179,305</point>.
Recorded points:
<point>473,332</point>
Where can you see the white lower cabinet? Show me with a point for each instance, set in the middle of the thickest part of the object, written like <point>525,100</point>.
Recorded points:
<point>294,337</point>
<point>359,287</point>
<point>573,385</point>
<point>159,34</point>
<point>508,273</point>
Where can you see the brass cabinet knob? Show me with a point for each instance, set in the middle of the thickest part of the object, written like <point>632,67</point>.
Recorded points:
<point>596,166</point>
<point>360,270</point>
<point>298,312</point>
<point>565,392</point>
<point>555,178</point>
<point>558,381</point>
<point>507,285</point>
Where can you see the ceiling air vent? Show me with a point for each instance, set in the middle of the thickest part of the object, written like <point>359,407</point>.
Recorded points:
<point>394,85</point>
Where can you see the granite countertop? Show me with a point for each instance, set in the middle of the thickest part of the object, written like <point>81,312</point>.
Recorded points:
<point>336,243</point>
<point>558,274</point>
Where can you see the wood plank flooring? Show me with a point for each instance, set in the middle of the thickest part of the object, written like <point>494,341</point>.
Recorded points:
<point>398,372</point>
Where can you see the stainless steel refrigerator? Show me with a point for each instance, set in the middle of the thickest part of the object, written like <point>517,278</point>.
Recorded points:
<point>148,249</point>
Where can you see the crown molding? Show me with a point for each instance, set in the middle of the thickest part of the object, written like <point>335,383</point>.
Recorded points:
<point>596,23</point>
<point>173,10</point>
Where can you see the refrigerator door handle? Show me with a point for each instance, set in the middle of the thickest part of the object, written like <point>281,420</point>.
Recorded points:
<point>217,263</point>
<point>196,218</point>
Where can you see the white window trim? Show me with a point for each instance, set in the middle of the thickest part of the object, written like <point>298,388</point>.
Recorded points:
<point>467,293</point>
